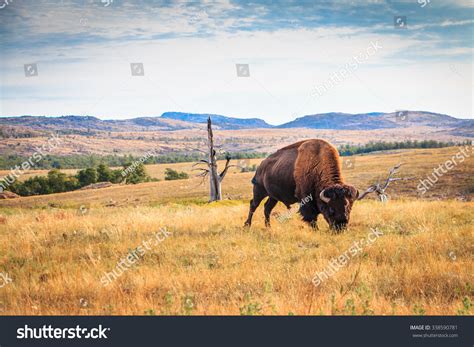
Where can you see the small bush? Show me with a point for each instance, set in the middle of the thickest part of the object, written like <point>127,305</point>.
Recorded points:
<point>171,175</point>
<point>249,168</point>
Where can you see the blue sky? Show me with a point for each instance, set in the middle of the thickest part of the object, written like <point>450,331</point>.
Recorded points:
<point>304,57</point>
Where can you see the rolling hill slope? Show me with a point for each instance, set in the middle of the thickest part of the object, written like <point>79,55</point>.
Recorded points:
<point>179,121</point>
<point>221,122</point>
<point>375,120</point>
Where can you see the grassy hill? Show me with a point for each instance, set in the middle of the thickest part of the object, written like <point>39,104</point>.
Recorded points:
<point>256,140</point>
<point>360,170</point>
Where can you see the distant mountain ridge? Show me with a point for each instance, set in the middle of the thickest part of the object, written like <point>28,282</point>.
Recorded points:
<point>374,120</point>
<point>170,121</point>
<point>88,123</point>
<point>222,122</point>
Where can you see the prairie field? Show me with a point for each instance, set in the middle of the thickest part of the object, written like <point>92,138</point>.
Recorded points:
<point>57,249</point>
<point>257,140</point>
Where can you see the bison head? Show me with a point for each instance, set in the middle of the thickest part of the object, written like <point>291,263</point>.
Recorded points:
<point>335,203</point>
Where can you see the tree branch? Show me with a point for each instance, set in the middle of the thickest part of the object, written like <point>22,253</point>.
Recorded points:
<point>200,168</point>
<point>202,161</point>
<point>227,166</point>
<point>224,172</point>
<point>379,189</point>
<point>369,190</point>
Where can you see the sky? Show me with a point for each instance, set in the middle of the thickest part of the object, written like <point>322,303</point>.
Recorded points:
<point>304,57</point>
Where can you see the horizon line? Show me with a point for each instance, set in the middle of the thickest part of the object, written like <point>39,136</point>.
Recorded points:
<point>216,114</point>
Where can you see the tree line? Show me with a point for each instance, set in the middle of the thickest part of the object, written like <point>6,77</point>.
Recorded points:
<point>348,150</point>
<point>81,161</point>
<point>58,182</point>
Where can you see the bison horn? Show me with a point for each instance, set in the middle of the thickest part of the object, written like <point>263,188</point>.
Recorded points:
<point>323,197</point>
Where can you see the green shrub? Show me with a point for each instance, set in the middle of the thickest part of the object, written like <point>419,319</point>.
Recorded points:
<point>87,176</point>
<point>171,175</point>
<point>135,173</point>
<point>58,182</point>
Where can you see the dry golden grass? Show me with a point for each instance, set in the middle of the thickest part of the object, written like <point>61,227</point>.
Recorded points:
<point>422,264</point>
<point>211,265</point>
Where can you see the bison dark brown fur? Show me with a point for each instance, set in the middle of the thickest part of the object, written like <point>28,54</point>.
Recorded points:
<point>307,171</point>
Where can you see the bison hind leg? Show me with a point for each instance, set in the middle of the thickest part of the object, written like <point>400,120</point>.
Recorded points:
<point>259,193</point>
<point>269,205</point>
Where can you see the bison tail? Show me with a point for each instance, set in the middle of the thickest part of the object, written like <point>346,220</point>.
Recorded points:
<point>254,180</point>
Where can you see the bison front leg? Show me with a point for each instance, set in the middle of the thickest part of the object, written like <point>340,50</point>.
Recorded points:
<point>314,223</point>
<point>269,205</point>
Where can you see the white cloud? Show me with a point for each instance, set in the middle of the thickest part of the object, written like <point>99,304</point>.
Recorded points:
<point>197,74</point>
<point>448,23</point>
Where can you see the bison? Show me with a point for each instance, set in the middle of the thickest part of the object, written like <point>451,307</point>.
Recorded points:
<point>308,172</point>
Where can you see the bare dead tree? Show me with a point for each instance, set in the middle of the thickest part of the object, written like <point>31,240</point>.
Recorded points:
<point>215,179</point>
<point>380,189</point>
